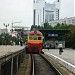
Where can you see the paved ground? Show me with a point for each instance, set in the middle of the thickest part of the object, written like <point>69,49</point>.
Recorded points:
<point>68,54</point>
<point>4,50</point>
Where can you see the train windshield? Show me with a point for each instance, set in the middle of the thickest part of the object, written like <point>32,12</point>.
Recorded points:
<point>35,38</point>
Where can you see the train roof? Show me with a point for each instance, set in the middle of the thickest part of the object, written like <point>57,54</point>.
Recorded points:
<point>35,32</point>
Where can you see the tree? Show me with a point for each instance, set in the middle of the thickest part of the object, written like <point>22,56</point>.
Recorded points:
<point>70,37</point>
<point>61,26</point>
<point>57,26</point>
<point>47,26</point>
<point>34,26</point>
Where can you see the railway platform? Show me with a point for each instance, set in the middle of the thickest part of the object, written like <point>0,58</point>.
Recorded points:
<point>67,58</point>
<point>6,50</point>
<point>11,58</point>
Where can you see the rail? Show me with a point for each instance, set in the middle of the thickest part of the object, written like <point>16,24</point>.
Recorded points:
<point>42,66</point>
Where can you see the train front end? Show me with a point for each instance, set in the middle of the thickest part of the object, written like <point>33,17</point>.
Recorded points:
<point>35,42</point>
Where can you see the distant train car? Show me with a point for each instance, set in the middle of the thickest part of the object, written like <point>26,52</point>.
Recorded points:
<point>35,41</point>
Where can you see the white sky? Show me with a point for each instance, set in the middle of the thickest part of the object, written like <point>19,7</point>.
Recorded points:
<point>20,10</point>
<point>16,11</point>
<point>67,8</point>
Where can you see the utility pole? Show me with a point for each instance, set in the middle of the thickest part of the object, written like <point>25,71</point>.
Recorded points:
<point>12,27</point>
<point>6,25</point>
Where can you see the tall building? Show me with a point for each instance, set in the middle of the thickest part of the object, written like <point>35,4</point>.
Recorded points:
<point>74,7</point>
<point>38,12</point>
<point>44,12</point>
<point>49,12</point>
<point>57,10</point>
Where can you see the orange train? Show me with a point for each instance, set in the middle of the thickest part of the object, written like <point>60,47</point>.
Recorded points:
<point>35,41</point>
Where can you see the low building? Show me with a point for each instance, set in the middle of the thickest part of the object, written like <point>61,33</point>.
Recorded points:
<point>3,31</point>
<point>20,31</point>
<point>68,21</point>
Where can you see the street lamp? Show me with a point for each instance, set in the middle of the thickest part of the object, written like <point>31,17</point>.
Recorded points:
<point>6,25</point>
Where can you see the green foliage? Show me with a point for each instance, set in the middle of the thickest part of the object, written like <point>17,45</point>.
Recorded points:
<point>47,26</point>
<point>33,26</point>
<point>0,41</point>
<point>24,39</point>
<point>56,26</point>
<point>70,37</point>
<point>61,26</point>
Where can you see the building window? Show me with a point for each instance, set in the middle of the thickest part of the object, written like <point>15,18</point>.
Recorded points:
<point>57,0</point>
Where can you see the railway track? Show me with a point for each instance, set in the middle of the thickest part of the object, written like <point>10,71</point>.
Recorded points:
<point>41,66</point>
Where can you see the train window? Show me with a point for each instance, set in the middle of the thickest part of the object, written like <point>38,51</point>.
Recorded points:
<point>39,38</point>
<point>32,38</point>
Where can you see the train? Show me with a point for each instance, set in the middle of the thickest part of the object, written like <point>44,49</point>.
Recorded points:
<point>34,41</point>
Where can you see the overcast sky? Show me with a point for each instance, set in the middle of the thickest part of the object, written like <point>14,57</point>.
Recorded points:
<point>16,11</point>
<point>22,11</point>
<point>67,8</point>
